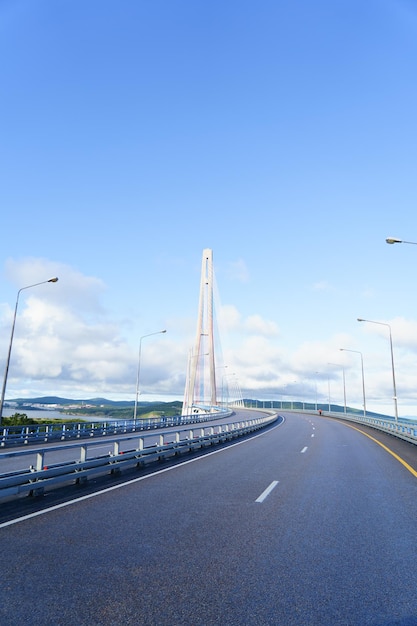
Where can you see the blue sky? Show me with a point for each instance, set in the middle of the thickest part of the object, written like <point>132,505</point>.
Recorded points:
<point>280,134</point>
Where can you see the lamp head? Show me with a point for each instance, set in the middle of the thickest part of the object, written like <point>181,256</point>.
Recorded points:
<point>53,280</point>
<point>393,240</point>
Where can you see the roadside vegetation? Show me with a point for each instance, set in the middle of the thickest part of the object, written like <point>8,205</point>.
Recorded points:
<point>21,419</point>
<point>144,411</point>
<point>18,419</point>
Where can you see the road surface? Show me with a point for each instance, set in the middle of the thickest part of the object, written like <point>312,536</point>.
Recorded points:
<point>312,522</point>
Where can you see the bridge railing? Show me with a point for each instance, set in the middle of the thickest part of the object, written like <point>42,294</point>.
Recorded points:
<point>36,433</point>
<point>403,429</point>
<point>83,462</point>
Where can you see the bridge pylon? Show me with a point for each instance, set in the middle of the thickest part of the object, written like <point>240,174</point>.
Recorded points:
<point>200,386</point>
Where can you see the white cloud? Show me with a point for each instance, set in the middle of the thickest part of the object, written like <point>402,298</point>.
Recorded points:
<point>73,288</point>
<point>321,285</point>
<point>404,333</point>
<point>64,338</point>
<point>256,324</point>
<point>66,343</point>
<point>228,317</point>
<point>238,271</point>
<point>230,320</point>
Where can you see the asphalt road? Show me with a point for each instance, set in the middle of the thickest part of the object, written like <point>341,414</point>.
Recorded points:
<point>309,523</point>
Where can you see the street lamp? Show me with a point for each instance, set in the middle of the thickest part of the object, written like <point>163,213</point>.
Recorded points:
<point>395,240</point>
<point>6,372</point>
<point>363,378</point>
<point>223,376</point>
<point>236,391</point>
<point>158,332</point>
<point>392,362</point>
<point>344,383</point>
<point>292,396</point>
<point>328,387</point>
<point>315,382</point>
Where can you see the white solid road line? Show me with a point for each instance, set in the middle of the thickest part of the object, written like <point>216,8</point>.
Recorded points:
<point>267,491</point>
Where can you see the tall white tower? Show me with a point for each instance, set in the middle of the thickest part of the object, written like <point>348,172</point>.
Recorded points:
<point>200,387</point>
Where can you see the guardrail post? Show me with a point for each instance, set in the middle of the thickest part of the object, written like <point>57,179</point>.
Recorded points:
<point>116,450</point>
<point>40,460</point>
<point>83,454</point>
<point>83,480</point>
<point>139,449</point>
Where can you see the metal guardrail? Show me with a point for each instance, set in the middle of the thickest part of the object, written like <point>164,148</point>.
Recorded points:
<point>36,433</point>
<point>37,478</point>
<point>406,430</point>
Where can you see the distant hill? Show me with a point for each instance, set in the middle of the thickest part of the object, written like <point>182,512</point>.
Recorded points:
<point>123,404</point>
<point>68,401</point>
<point>93,407</point>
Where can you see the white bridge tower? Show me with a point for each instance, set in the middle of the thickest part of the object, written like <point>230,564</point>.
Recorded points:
<point>200,387</point>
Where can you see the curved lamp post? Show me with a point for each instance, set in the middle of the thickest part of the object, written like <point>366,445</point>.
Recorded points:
<point>392,362</point>
<point>315,382</point>
<point>344,383</point>
<point>363,378</point>
<point>6,372</point>
<point>158,332</point>
<point>222,390</point>
<point>237,397</point>
<point>395,240</point>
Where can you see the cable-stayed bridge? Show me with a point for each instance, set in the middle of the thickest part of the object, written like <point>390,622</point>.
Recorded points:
<point>203,394</point>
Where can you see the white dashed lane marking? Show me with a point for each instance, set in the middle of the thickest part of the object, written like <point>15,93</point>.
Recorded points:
<point>267,491</point>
